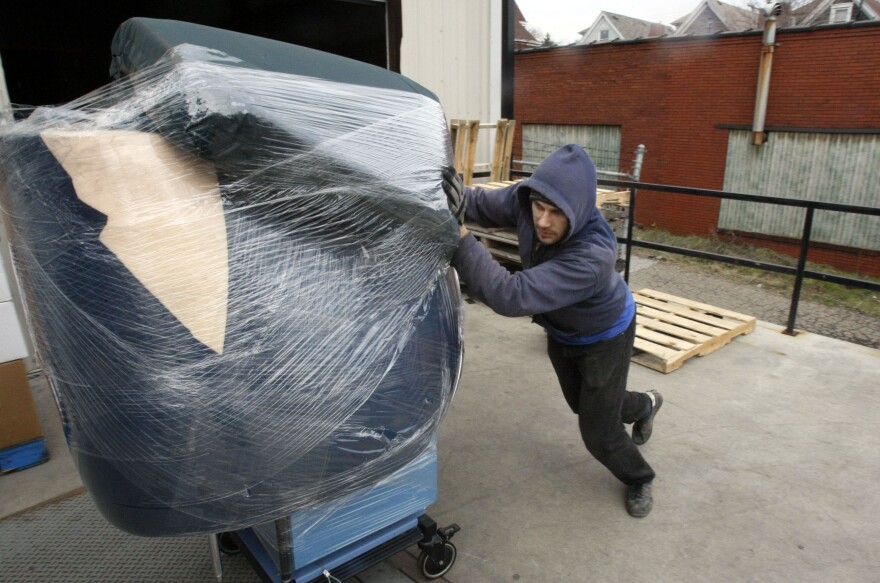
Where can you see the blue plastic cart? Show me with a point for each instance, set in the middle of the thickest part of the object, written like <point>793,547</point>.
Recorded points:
<point>338,539</point>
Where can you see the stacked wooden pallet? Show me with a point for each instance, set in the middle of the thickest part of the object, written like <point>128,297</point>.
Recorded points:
<point>670,329</point>
<point>604,196</point>
<point>496,184</point>
<point>501,243</point>
<point>465,135</point>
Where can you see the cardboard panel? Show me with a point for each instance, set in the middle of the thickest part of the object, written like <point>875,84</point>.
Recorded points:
<point>150,222</point>
<point>18,417</point>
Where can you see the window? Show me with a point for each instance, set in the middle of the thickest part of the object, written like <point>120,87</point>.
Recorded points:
<point>841,13</point>
<point>601,141</point>
<point>603,34</point>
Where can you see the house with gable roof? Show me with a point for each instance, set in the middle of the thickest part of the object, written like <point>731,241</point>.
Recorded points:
<point>523,38</point>
<point>836,12</point>
<point>609,26</point>
<point>714,17</point>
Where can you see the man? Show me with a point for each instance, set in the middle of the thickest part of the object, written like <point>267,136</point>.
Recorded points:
<point>569,286</point>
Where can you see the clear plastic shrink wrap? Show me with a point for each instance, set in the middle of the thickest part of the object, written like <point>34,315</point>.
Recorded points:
<point>237,283</point>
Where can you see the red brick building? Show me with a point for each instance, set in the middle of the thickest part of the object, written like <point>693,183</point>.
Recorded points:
<point>682,97</point>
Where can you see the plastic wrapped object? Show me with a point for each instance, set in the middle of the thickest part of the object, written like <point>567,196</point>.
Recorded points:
<point>237,282</point>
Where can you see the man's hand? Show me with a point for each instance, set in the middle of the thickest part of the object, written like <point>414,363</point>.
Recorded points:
<point>456,195</point>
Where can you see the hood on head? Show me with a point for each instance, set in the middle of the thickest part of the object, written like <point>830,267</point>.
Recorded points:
<point>567,178</point>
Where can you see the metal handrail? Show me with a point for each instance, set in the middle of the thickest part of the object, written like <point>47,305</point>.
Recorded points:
<point>800,272</point>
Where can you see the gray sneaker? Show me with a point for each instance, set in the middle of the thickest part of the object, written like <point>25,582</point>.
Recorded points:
<point>643,427</point>
<point>639,500</point>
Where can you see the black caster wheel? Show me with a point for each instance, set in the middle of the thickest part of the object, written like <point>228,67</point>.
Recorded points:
<point>227,543</point>
<point>434,569</point>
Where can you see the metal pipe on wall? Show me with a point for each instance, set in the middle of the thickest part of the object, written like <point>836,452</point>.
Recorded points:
<point>768,45</point>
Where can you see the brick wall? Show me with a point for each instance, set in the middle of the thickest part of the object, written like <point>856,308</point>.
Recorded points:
<point>672,94</point>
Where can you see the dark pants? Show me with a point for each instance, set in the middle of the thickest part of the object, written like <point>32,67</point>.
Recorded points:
<point>593,380</point>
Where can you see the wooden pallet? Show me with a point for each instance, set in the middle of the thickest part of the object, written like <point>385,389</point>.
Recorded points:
<point>465,135</point>
<point>501,243</point>
<point>604,196</point>
<point>497,184</point>
<point>612,197</point>
<point>670,329</point>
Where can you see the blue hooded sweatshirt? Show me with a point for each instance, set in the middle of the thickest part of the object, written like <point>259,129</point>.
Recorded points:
<point>571,287</point>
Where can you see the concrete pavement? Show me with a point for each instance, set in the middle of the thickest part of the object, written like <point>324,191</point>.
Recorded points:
<point>766,455</point>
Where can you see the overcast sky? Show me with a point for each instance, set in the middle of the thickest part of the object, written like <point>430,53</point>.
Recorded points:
<point>563,19</point>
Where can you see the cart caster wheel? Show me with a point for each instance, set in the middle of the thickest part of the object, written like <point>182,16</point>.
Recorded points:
<point>228,544</point>
<point>434,569</point>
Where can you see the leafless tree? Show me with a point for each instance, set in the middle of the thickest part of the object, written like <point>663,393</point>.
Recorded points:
<point>759,4</point>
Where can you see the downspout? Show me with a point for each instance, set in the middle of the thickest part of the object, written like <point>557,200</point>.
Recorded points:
<point>768,45</point>
<point>508,34</point>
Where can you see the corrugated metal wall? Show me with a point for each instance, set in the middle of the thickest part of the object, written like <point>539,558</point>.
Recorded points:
<point>839,168</point>
<point>601,142</point>
<point>453,47</point>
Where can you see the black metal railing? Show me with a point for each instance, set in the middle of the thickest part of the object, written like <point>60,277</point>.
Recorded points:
<point>800,272</point>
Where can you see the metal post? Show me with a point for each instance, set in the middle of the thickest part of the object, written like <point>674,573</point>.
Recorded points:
<point>799,276</point>
<point>637,163</point>
<point>629,231</point>
<point>214,546</point>
<point>637,173</point>
<point>285,548</point>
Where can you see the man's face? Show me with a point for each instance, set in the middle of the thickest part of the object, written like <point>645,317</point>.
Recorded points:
<point>551,224</point>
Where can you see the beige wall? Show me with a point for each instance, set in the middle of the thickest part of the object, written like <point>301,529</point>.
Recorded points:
<point>453,47</point>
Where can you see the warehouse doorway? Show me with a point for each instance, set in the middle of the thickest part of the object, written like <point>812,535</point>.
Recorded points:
<point>55,51</point>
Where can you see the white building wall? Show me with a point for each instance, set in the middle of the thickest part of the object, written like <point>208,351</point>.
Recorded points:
<point>14,344</point>
<point>13,341</point>
<point>453,47</point>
